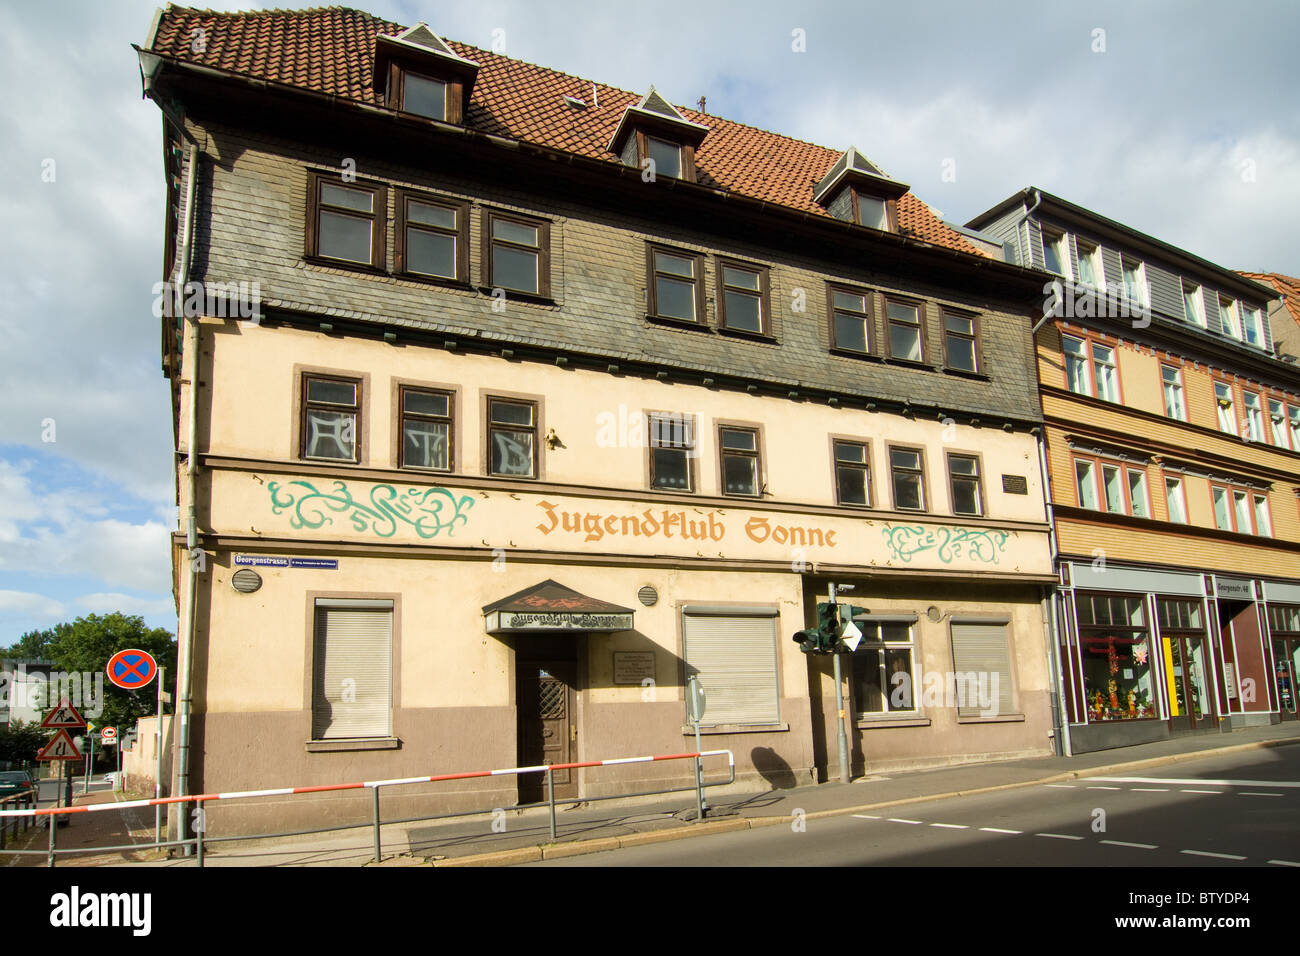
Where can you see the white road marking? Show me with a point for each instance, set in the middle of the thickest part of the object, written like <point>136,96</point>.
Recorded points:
<point>1252,793</point>
<point>1192,781</point>
<point>1059,836</point>
<point>951,826</point>
<point>1205,791</point>
<point>1150,789</point>
<point>866,816</point>
<point>1105,788</point>
<point>1283,863</point>
<point>1219,856</point>
<point>1136,846</point>
<point>999,830</point>
<point>896,820</point>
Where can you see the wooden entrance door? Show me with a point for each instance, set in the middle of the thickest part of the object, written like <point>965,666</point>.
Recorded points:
<point>1286,662</point>
<point>548,725</point>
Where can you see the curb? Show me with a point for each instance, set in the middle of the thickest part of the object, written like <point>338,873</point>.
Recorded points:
<point>601,844</point>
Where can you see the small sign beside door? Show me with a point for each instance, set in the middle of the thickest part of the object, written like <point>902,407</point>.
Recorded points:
<point>633,667</point>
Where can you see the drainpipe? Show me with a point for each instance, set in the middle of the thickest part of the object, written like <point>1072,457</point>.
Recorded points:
<point>1060,722</point>
<point>1038,199</point>
<point>183,696</point>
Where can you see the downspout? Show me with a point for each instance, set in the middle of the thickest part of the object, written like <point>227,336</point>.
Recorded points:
<point>191,476</point>
<point>1060,722</point>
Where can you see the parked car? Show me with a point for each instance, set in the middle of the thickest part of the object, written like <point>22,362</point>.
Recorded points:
<point>15,781</point>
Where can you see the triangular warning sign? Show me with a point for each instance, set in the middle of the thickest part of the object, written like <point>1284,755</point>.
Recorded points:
<point>65,715</point>
<point>60,748</point>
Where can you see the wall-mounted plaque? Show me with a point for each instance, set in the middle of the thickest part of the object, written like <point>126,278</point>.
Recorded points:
<point>632,667</point>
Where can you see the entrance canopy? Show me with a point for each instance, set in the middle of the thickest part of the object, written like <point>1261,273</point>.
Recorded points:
<point>549,607</point>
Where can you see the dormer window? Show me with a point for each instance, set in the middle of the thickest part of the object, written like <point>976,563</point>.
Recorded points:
<point>423,96</point>
<point>667,157</point>
<point>857,191</point>
<point>422,75</point>
<point>870,210</point>
<point>654,136</point>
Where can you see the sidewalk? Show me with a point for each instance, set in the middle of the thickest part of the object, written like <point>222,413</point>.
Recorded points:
<point>605,825</point>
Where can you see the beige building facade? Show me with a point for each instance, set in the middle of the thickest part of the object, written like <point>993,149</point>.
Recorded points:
<point>499,517</point>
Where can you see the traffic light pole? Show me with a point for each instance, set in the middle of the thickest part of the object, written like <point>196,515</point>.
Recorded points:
<point>839,707</point>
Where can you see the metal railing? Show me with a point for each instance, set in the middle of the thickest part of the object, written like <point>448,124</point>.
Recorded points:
<point>199,841</point>
<point>28,797</point>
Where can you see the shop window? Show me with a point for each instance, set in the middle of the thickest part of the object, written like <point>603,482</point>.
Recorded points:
<point>1115,651</point>
<point>733,652</point>
<point>352,669</point>
<point>884,679</point>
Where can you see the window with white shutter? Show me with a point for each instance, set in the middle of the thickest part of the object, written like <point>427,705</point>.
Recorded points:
<point>982,661</point>
<point>733,652</point>
<point>352,686</point>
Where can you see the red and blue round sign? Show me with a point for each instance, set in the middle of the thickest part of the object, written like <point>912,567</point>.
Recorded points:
<point>132,669</point>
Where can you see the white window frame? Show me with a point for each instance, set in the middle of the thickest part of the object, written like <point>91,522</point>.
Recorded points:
<point>1198,303</point>
<point>1090,468</point>
<point>1229,318</point>
<point>1277,423</point>
<point>1263,528</point>
<point>1107,386</point>
<point>1094,258</point>
<point>1217,493</point>
<point>1173,389</point>
<point>1174,483</point>
<point>1139,284</point>
<point>1080,360</point>
<point>1254,416</point>
<point>1227,412</point>
<point>875,624</point>
<point>1252,318</point>
<point>1059,241</point>
<point>1141,497</point>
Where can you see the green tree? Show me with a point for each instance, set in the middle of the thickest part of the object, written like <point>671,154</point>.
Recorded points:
<point>20,742</point>
<point>88,643</point>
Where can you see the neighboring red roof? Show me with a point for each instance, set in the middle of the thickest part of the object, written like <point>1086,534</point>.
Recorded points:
<point>1287,335</point>
<point>331,50</point>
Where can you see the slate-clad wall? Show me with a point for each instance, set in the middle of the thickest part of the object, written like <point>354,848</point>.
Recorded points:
<point>253,190</point>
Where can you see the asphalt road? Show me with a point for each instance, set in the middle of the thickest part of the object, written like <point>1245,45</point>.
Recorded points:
<point>1235,810</point>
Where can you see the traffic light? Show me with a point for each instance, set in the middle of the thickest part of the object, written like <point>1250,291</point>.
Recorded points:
<point>823,638</point>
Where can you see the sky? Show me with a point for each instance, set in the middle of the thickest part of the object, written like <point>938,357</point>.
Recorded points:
<point>1181,120</point>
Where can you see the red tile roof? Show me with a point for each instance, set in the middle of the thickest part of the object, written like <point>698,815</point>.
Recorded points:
<point>331,50</point>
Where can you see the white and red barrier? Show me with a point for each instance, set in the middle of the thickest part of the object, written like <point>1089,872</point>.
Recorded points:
<point>368,784</point>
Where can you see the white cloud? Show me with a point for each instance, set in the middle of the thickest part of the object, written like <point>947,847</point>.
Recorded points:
<point>68,532</point>
<point>25,603</point>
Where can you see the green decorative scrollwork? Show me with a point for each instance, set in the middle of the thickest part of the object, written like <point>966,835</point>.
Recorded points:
<point>430,511</point>
<point>906,541</point>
